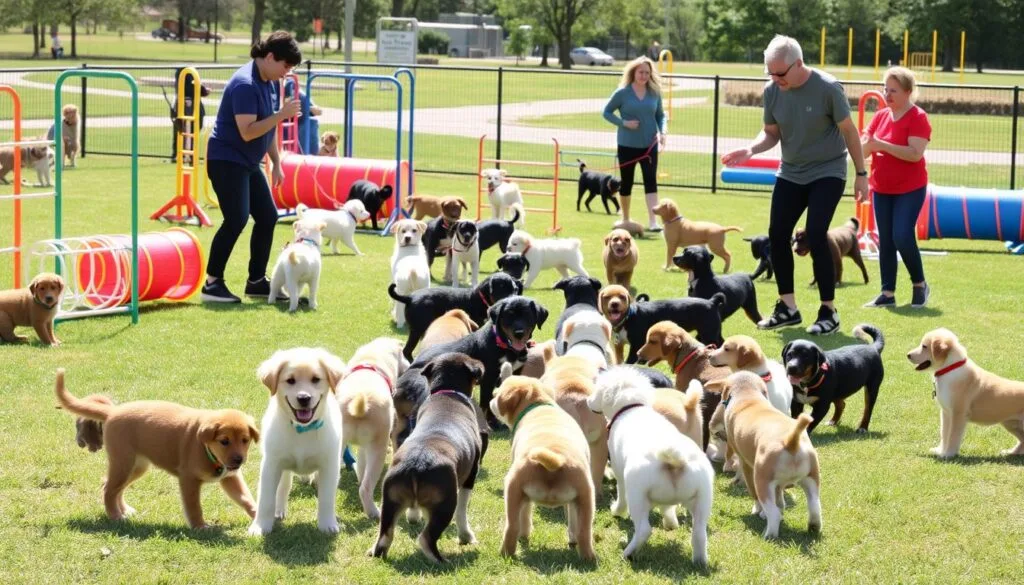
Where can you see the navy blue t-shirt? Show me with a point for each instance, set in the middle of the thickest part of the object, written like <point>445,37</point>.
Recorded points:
<point>245,93</point>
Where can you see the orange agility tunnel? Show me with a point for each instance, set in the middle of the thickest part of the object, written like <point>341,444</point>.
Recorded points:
<point>171,267</point>
<point>323,182</point>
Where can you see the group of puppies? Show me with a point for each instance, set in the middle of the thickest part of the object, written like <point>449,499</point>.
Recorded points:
<point>41,157</point>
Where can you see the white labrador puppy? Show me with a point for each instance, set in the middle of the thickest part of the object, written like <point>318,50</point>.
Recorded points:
<point>299,264</point>
<point>586,334</point>
<point>339,224</point>
<point>561,254</point>
<point>301,434</point>
<point>655,465</point>
<point>409,269</point>
<point>503,195</point>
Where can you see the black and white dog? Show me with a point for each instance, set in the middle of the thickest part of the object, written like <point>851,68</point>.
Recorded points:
<point>514,265</point>
<point>497,231</point>
<point>580,295</point>
<point>372,195</point>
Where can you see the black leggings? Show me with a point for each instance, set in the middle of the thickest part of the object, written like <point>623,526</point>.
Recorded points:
<point>789,200</point>
<point>648,166</point>
<point>241,191</point>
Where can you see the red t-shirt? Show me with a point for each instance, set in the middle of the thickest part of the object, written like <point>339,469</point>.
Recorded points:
<point>889,174</point>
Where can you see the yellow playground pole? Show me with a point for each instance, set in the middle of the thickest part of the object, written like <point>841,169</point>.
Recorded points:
<point>666,56</point>
<point>822,63</point>
<point>963,45</point>
<point>906,46</point>
<point>878,40</point>
<point>849,53</point>
<point>935,50</point>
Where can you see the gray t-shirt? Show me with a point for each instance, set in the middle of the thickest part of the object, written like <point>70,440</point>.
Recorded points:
<point>808,117</point>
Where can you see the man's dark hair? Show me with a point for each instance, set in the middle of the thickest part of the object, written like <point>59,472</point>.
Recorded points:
<point>282,44</point>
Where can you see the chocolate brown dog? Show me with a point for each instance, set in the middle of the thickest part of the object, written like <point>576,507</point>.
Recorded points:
<point>35,306</point>
<point>842,241</point>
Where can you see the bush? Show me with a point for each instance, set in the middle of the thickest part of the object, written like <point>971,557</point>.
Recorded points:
<point>433,43</point>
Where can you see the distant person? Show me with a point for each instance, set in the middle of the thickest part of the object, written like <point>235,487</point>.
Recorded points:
<point>55,47</point>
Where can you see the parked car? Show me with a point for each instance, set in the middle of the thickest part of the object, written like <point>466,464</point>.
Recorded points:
<point>590,56</point>
<point>190,33</point>
<point>163,33</point>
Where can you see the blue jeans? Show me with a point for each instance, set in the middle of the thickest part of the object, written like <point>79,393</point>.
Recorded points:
<point>241,192</point>
<point>896,218</point>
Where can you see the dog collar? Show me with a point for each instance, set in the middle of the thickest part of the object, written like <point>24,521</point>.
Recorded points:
<point>309,241</point>
<point>457,240</point>
<point>44,305</point>
<point>629,313</point>
<point>674,219</point>
<point>502,344</point>
<point>594,343</point>
<point>444,223</point>
<point>686,360</point>
<point>313,426</point>
<point>950,368</point>
<point>218,467</point>
<point>378,371</point>
<point>483,299</point>
<point>459,395</point>
<point>766,377</point>
<point>352,215</point>
<point>822,371</point>
<point>620,413</point>
<point>523,413</point>
<point>526,249</point>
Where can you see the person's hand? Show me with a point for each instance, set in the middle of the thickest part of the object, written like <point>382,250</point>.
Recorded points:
<point>736,157</point>
<point>631,124</point>
<point>861,189</point>
<point>872,144</point>
<point>662,139</point>
<point>277,175</point>
<point>315,111</point>
<point>290,109</point>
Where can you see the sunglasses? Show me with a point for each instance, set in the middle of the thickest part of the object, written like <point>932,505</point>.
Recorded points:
<point>783,74</point>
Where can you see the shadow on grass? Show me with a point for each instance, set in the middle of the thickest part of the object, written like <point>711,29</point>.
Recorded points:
<point>417,563</point>
<point>802,538</point>
<point>299,545</point>
<point>844,433</point>
<point>148,530</point>
<point>908,311</point>
<point>553,560</point>
<point>838,339</point>
<point>972,460</point>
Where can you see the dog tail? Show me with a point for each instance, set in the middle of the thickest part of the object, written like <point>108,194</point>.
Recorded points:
<point>732,228</point>
<point>792,440</point>
<point>672,457</point>
<point>856,224</point>
<point>718,300</point>
<point>517,212</point>
<point>393,293</point>
<point>870,334</point>
<point>90,409</point>
<point>300,209</point>
<point>583,165</point>
<point>546,458</point>
<point>692,396</point>
<point>357,406</point>
<point>292,258</point>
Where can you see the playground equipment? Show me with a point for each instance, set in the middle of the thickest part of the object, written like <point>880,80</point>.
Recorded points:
<point>665,57</point>
<point>288,130</point>
<point>974,214</point>
<point>187,179</point>
<point>17,197</point>
<point>481,188</point>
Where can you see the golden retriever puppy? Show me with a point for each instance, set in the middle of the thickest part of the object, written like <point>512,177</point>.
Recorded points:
<point>69,133</point>
<point>967,393</point>
<point>32,157</point>
<point>620,257</point>
<point>451,326</point>
<point>550,464</point>
<point>421,206</point>
<point>681,232</point>
<point>774,450</point>
<point>682,409</point>
<point>196,446</point>
<point>35,307</point>
<point>329,144</point>
<point>571,378</point>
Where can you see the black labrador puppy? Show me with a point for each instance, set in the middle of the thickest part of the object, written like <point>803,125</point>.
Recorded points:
<point>435,469</point>
<point>738,288</point>
<point>372,195</point>
<point>580,295</point>
<point>427,304</point>
<point>761,250</point>
<point>821,378</point>
<point>514,265</point>
<point>597,183</point>
<point>497,231</point>
<point>506,340</point>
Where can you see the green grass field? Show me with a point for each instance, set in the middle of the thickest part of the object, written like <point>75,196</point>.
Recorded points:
<point>892,513</point>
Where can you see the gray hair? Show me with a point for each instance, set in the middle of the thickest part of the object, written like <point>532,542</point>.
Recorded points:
<point>785,48</point>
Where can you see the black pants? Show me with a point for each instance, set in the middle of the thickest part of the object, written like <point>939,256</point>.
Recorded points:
<point>789,200</point>
<point>241,192</point>
<point>648,166</point>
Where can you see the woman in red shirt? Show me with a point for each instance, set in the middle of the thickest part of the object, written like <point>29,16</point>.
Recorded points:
<point>896,139</point>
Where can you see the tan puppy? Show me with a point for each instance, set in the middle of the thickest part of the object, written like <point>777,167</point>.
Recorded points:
<point>742,352</point>
<point>681,232</point>
<point>537,358</point>
<point>421,206</point>
<point>329,144</point>
<point>69,133</point>
<point>34,157</point>
<point>550,464</point>
<point>451,326</point>
<point>35,306</point>
<point>682,409</point>
<point>620,257</point>
<point>571,379</point>
<point>196,446</point>
<point>967,393</point>
<point>774,450</point>
<point>88,432</point>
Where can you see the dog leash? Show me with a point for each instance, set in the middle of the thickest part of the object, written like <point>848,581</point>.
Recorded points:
<point>645,155</point>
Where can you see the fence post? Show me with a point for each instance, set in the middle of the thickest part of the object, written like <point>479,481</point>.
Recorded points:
<point>84,81</point>
<point>714,141</point>
<point>1013,137</point>
<point>501,76</point>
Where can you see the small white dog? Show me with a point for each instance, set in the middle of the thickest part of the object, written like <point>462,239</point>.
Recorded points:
<point>409,269</point>
<point>465,253</point>
<point>339,224</point>
<point>560,254</point>
<point>368,410</point>
<point>503,195</point>
<point>301,434</point>
<point>586,334</point>
<point>654,464</point>
<point>299,264</point>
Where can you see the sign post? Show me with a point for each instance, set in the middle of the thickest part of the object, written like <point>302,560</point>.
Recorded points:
<point>397,40</point>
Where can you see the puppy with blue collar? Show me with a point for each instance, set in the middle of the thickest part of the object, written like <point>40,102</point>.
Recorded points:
<point>299,264</point>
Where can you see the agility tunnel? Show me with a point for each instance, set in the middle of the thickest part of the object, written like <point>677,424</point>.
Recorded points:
<point>323,182</point>
<point>755,171</point>
<point>973,214</point>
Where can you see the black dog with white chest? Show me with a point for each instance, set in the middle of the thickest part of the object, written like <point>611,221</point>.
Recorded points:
<point>514,265</point>
<point>580,295</point>
<point>597,183</point>
<point>761,250</point>
<point>821,378</point>
<point>435,469</point>
<point>497,231</point>
<point>738,288</point>
<point>372,195</point>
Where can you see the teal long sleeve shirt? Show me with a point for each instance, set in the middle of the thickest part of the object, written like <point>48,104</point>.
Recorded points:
<point>647,111</point>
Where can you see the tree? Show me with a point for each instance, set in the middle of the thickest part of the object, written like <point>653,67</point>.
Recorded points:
<point>518,41</point>
<point>559,17</point>
<point>259,9</point>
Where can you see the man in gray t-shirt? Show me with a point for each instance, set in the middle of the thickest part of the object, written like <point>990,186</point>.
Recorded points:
<point>807,111</point>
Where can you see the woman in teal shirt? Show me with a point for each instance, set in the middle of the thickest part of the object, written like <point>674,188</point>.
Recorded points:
<point>641,123</point>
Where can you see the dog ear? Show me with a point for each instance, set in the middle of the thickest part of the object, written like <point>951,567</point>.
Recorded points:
<point>421,226</point>
<point>32,285</point>
<point>208,431</point>
<point>719,386</point>
<point>270,370</point>
<point>508,402</point>
<point>940,350</point>
<point>561,284</point>
<point>503,173</point>
<point>607,239</point>
<point>427,370</point>
<point>595,284</point>
<point>494,313</point>
<point>501,262</point>
<point>819,356</point>
<point>462,202</point>
<point>395,227</point>
<point>671,341</point>
<point>541,312</point>
<point>785,350</point>
<point>334,367</point>
<point>519,284</point>
<point>385,191</point>
<point>475,369</point>
<point>744,356</point>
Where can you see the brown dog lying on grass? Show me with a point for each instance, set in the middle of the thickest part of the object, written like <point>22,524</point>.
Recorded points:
<point>35,306</point>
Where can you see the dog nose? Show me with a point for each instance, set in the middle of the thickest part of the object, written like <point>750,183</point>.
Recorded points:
<point>304,399</point>
<point>237,460</point>
<point>519,331</point>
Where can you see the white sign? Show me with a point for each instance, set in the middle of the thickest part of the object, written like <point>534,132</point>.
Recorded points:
<point>397,46</point>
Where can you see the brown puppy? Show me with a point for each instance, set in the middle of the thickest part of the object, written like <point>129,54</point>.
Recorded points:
<point>451,326</point>
<point>34,157</point>
<point>681,232</point>
<point>620,257</point>
<point>680,408</point>
<point>424,206</point>
<point>35,306</point>
<point>451,207</point>
<point>69,133</point>
<point>329,144</point>
<point>774,450</point>
<point>88,432</point>
<point>967,393</point>
<point>571,379</point>
<point>196,446</point>
<point>550,464</point>
<point>842,241</point>
<point>537,358</point>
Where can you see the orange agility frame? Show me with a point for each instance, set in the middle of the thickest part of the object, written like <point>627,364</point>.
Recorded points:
<point>867,235</point>
<point>481,188</point>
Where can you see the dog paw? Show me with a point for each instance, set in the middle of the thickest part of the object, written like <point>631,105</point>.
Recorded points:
<point>947,456</point>
<point>862,431</point>
<point>127,512</point>
<point>1012,452</point>
<point>256,529</point>
<point>373,514</point>
<point>831,423</point>
<point>467,538</point>
<point>329,527</point>
<point>619,510</point>
<point>936,450</point>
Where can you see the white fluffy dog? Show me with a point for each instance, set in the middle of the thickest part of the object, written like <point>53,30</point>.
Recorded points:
<point>503,195</point>
<point>368,410</point>
<point>299,264</point>
<point>586,334</point>
<point>339,224</point>
<point>655,465</point>
<point>560,254</point>
<point>409,269</point>
<point>301,434</point>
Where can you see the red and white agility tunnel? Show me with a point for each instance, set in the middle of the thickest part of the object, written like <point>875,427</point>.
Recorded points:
<point>973,214</point>
<point>323,182</point>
